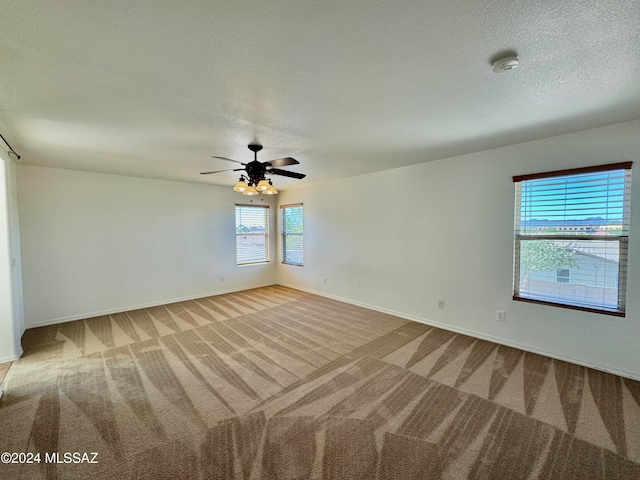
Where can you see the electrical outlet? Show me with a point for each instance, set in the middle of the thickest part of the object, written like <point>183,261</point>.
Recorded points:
<point>440,303</point>
<point>500,316</point>
<point>221,279</point>
<point>324,281</point>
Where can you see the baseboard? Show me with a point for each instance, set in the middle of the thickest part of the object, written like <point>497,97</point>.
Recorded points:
<point>11,358</point>
<point>471,333</point>
<point>55,321</point>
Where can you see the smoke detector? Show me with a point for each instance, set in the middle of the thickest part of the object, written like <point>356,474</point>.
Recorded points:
<point>506,63</point>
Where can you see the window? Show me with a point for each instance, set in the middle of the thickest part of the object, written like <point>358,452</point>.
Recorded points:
<point>292,234</point>
<point>571,237</point>
<point>252,234</point>
<point>563,275</point>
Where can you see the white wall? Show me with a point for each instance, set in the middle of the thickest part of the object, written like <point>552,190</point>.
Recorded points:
<point>401,240</point>
<point>95,243</point>
<point>11,317</point>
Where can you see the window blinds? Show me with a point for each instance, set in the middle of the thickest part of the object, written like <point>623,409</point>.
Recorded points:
<point>292,234</point>
<point>252,234</point>
<point>571,237</point>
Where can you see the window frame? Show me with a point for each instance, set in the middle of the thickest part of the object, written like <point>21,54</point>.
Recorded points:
<point>265,234</point>
<point>623,240</point>
<point>284,234</point>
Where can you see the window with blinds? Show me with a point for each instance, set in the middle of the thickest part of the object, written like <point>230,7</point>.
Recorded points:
<point>571,238</point>
<point>252,234</point>
<point>292,234</point>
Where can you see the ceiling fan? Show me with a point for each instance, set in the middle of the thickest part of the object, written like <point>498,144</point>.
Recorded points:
<point>256,171</point>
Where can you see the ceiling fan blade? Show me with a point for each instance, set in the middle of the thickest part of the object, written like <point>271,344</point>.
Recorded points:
<point>228,159</point>
<point>220,171</point>
<point>286,173</point>
<point>282,162</point>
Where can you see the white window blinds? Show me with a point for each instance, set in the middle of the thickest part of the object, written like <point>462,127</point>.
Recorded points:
<point>292,234</point>
<point>252,234</point>
<point>571,237</point>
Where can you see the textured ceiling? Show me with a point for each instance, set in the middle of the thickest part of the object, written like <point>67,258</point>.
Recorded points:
<point>154,88</point>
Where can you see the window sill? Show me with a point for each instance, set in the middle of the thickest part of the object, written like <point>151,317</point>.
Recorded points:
<point>293,264</point>
<point>252,264</point>
<point>615,313</point>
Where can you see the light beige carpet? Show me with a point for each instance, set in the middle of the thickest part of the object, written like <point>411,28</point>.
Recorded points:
<point>274,383</point>
<point>4,368</point>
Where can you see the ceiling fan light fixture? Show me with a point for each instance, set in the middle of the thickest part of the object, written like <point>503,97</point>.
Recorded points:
<point>241,186</point>
<point>270,191</point>
<point>251,190</point>
<point>262,186</point>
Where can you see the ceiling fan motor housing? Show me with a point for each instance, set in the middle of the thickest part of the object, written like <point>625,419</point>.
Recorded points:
<point>255,171</point>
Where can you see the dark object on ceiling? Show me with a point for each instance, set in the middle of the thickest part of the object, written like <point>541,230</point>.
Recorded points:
<point>256,171</point>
